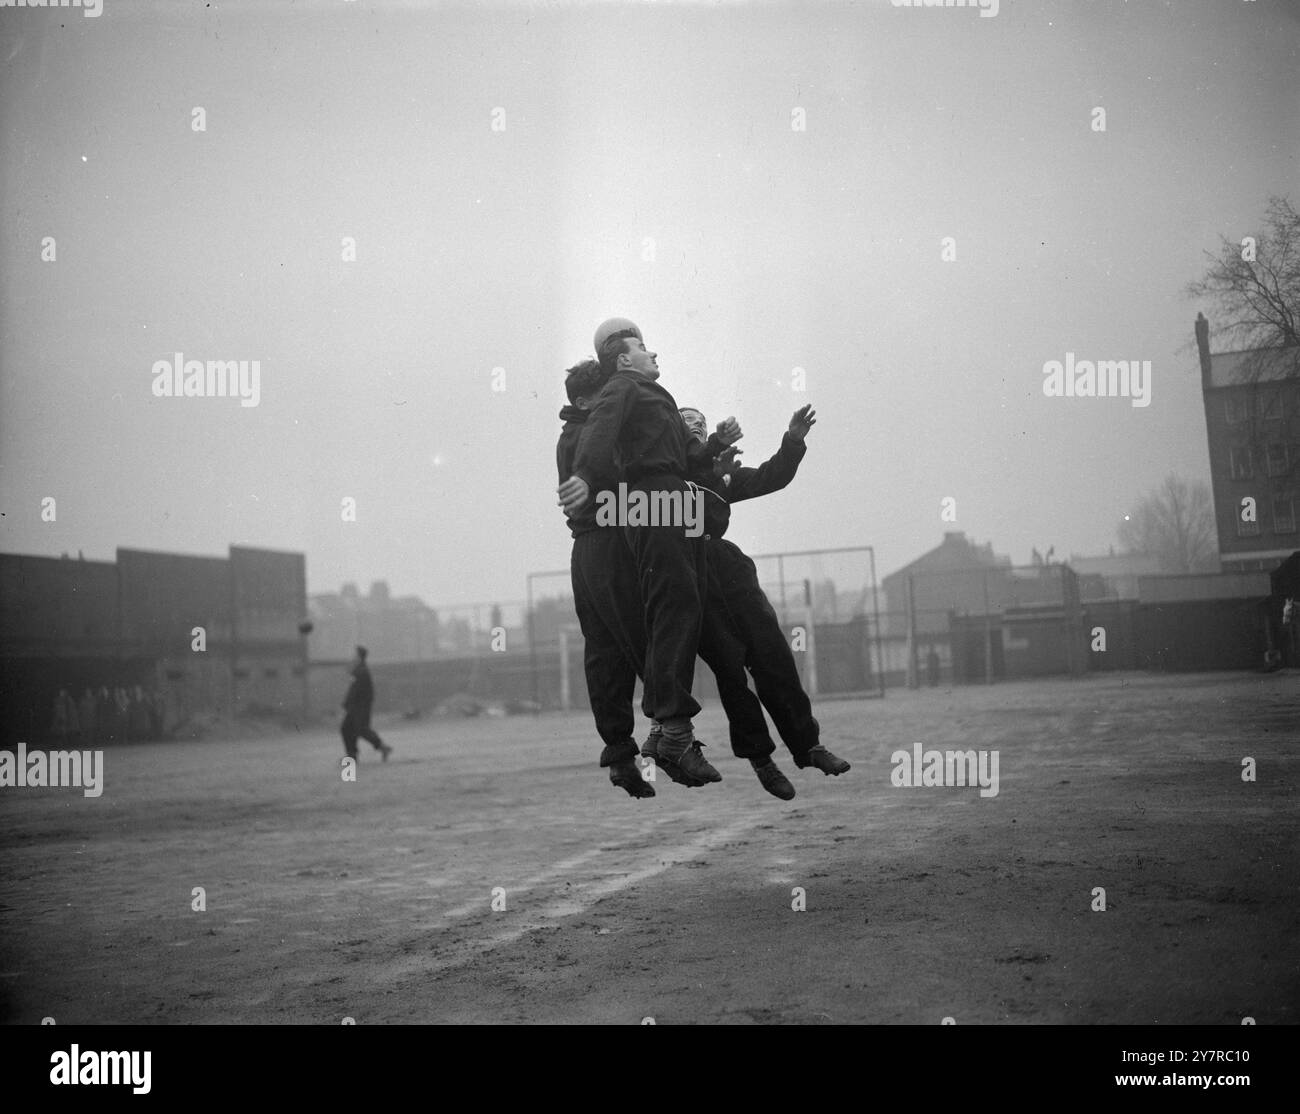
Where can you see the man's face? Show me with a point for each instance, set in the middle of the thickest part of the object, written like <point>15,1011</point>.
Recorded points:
<point>639,359</point>
<point>695,423</point>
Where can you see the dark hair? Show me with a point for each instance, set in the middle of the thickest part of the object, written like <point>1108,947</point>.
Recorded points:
<point>361,652</point>
<point>615,345</point>
<point>583,380</point>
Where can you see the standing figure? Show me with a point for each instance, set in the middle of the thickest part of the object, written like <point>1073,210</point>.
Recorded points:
<point>64,725</point>
<point>106,716</point>
<point>122,717</point>
<point>157,713</point>
<point>86,711</point>
<point>1290,639</point>
<point>356,710</point>
<point>138,713</point>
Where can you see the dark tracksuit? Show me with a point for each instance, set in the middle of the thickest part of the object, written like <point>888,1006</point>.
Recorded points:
<point>607,598</point>
<point>356,711</point>
<point>634,434</point>
<point>733,578</point>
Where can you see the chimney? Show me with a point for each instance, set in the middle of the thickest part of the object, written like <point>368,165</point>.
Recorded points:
<point>1203,346</point>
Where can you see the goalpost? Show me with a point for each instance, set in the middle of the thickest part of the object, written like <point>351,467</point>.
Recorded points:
<point>833,596</point>
<point>826,600</point>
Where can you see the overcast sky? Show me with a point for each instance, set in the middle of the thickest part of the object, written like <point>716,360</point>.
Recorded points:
<point>645,162</point>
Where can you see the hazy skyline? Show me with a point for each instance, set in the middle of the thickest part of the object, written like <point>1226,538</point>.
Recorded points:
<point>647,167</point>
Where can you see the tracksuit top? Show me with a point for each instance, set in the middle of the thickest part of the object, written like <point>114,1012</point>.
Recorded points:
<point>633,432</point>
<point>565,450</point>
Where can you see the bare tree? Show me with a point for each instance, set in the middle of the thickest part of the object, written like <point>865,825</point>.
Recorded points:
<point>1175,524</point>
<point>1254,284</point>
<point>1254,287</point>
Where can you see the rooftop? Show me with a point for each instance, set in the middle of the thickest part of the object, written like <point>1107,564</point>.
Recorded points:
<point>1254,365</point>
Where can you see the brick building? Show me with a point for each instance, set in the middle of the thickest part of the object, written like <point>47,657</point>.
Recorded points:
<point>91,624</point>
<point>1252,423</point>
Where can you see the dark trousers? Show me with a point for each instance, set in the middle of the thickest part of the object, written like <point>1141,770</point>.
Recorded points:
<point>672,573</point>
<point>356,725</point>
<point>723,651</point>
<point>768,656</point>
<point>607,598</point>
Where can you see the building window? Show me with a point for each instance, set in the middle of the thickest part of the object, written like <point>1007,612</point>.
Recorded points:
<point>1283,514</point>
<point>1236,407</point>
<point>270,673</point>
<point>175,674</point>
<point>1269,403</point>
<point>1239,466</point>
<point>1276,455</point>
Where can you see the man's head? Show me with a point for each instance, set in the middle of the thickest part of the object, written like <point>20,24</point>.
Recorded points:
<point>582,383</point>
<point>625,351</point>
<point>361,655</point>
<point>695,423</point>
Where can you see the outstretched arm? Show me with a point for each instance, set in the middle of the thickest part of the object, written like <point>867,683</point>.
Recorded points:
<point>777,472</point>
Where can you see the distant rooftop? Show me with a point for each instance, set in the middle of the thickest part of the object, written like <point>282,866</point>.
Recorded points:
<point>1116,564</point>
<point>956,551</point>
<point>1254,365</point>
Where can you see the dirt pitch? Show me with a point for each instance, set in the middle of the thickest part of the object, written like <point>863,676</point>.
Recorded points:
<point>372,899</point>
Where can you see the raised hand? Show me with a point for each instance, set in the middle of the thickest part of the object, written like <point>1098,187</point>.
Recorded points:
<point>725,462</point>
<point>802,421</point>
<point>729,431</point>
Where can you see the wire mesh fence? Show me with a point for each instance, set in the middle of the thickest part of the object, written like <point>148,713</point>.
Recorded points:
<point>826,601</point>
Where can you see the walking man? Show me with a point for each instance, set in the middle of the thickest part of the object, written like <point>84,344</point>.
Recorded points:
<point>356,710</point>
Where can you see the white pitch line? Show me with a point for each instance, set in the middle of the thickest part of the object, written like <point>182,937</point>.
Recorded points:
<point>587,895</point>
<point>582,899</point>
<point>480,905</point>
